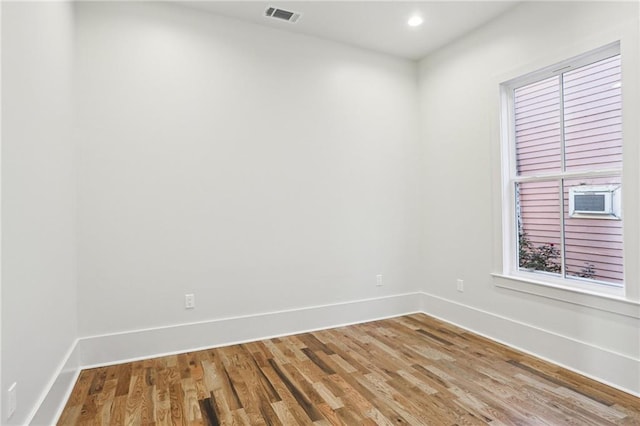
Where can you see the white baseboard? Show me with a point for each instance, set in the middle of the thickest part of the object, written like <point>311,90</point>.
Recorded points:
<point>59,389</point>
<point>613,369</point>
<point>94,351</point>
<point>140,344</point>
<point>616,370</point>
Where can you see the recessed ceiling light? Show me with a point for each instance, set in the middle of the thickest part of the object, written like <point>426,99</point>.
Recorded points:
<point>415,21</point>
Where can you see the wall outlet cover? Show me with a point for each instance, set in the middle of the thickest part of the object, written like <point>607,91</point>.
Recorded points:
<point>189,301</point>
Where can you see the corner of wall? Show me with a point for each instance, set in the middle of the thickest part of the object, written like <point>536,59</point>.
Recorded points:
<point>55,395</point>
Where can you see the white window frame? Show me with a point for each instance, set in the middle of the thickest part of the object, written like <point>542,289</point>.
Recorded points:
<point>510,177</point>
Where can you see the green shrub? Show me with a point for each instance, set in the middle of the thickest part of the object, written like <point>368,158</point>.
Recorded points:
<point>545,258</point>
<point>541,258</point>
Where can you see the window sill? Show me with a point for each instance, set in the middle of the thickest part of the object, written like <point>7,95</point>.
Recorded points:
<point>603,302</point>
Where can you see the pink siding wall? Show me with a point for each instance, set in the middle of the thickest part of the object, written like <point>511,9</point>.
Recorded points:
<point>593,116</point>
<point>538,127</point>
<point>593,139</point>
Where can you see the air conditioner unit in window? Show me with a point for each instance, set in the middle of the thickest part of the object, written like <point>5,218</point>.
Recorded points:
<point>595,202</point>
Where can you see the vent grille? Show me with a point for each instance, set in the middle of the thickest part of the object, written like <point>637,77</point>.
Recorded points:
<point>281,14</point>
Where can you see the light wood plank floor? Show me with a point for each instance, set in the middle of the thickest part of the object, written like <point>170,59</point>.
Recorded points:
<point>407,370</point>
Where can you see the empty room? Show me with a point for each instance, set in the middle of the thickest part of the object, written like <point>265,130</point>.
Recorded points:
<point>320,212</point>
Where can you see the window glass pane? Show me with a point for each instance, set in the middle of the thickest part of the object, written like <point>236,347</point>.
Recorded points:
<point>538,219</point>
<point>593,116</point>
<point>537,127</point>
<point>593,245</point>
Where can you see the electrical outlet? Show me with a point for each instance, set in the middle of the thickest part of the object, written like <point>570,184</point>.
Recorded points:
<point>378,280</point>
<point>460,285</point>
<point>12,399</point>
<point>189,301</point>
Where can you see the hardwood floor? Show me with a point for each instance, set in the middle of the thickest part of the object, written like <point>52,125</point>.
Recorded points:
<point>406,370</point>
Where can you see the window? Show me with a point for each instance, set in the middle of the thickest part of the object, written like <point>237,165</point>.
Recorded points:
<point>564,178</point>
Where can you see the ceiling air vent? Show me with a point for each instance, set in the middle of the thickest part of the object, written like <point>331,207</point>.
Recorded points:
<point>284,15</point>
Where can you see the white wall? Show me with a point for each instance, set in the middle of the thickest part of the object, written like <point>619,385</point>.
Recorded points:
<point>39,322</point>
<point>258,169</point>
<point>459,100</point>
<point>262,171</point>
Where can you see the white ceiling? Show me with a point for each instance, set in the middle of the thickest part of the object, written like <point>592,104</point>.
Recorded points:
<point>376,25</point>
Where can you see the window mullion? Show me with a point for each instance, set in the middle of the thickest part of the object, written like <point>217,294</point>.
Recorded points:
<point>563,250</point>
<point>562,135</point>
<point>563,246</point>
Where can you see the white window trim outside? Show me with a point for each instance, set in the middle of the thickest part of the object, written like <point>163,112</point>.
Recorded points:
<point>623,300</point>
